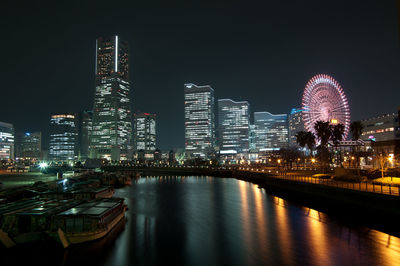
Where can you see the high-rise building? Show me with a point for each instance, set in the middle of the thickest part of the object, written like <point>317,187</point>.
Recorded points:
<point>233,126</point>
<point>144,125</point>
<point>296,124</point>
<point>63,137</point>
<point>199,121</point>
<point>6,141</point>
<point>28,145</point>
<point>85,131</point>
<point>112,125</point>
<point>271,131</point>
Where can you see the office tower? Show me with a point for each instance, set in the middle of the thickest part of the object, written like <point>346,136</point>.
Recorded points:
<point>199,121</point>
<point>6,141</point>
<point>233,126</point>
<point>144,125</point>
<point>296,124</point>
<point>85,130</point>
<point>271,131</point>
<point>63,137</point>
<point>112,125</point>
<point>28,145</point>
<point>252,137</point>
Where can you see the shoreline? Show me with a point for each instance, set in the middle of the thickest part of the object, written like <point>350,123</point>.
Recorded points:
<point>359,208</point>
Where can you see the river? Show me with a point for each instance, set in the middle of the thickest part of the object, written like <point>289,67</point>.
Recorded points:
<point>220,221</point>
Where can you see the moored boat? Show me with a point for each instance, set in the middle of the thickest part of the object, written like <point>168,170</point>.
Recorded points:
<point>88,221</point>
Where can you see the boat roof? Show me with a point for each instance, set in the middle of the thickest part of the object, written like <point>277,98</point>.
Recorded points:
<point>93,208</point>
<point>36,206</point>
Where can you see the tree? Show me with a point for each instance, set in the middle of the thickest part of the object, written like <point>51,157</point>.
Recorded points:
<point>356,128</point>
<point>301,138</point>
<point>337,132</point>
<point>323,130</point>
<point>310,141</point>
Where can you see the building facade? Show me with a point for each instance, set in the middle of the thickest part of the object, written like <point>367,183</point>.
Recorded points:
<point>199,121</point>
<point>233,126</point>
<point>383,133</point>
<point>271,131</point>
<point>84,135</point>
<point>381,128</point>
<point>63,137</point>
<point>112,124</point>
<point>144,136</point>
<point>296,124</point>
<point>7,141</point>
<point>28,145</point>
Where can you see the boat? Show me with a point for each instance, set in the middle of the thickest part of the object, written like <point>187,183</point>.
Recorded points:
<point>67,221</point>
<point>89,221</point>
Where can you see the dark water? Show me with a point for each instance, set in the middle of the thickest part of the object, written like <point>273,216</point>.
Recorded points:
<point>215,221</point>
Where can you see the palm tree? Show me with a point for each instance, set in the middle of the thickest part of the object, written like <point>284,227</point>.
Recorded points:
<point>337,132</point>
<point>356,128</point>
<point>301,138</point>
<point>310,141</point>
<point>323,130</point>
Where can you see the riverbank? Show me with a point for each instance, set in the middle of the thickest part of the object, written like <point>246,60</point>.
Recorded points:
<point>375,210</point>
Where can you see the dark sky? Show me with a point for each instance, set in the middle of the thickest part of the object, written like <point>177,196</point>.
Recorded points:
<point>263,52</point>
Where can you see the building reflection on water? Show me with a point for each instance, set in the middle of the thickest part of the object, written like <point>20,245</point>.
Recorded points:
<point>216,221</point>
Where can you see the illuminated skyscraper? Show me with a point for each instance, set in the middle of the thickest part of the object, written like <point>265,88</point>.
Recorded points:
<point>63,137</point>
<point>112,125</point>
<point>6,141</point>
<point>199,121</point>
<point>85,131</point>
<point>296,124</point>
<point>233,126</point>
<point>271,131</point>
<point>144,132</point>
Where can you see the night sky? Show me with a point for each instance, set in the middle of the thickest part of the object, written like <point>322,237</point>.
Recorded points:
<point>263,52</point>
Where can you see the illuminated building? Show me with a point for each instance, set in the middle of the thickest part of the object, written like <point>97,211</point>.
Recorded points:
<point>85,130</point>
<point>296,124</point>
<point>28,145</point>
<point>6,141</point>
<point>112,125</point>
<point>199,121</point>
<point>381,128</point>
<point>144,132</point>
<point>63,137</point>
<point>383,133</point>
<point>233,126</point>
<point>271,131</point>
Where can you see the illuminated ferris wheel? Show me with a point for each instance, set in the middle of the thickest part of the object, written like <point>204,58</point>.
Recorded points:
<point>324,100</point>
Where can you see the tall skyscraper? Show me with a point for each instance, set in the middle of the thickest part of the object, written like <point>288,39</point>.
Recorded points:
<point>296,124</point>
<point>144,125</point>
<point>233,126</point>
<point>271,131</point>
<point>112,125</point>
<point>85,131</point>
<point>6,141</point>
<point>28,145</point>
<point>63,137</point>
<point>199,121</point>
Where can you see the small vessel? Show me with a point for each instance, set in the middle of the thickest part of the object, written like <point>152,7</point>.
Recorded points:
<point>88,221</point>
<point>68,221</point>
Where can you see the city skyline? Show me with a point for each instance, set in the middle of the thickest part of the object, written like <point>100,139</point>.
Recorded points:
<point>160,69</point>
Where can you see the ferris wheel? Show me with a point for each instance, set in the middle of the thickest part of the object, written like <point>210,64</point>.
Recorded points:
<point>324,100</point>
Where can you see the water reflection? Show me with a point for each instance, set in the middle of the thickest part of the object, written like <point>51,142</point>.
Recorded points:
<point>215,221</point>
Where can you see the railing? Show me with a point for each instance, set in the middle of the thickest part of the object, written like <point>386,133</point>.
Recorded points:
<point>359,186</point>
